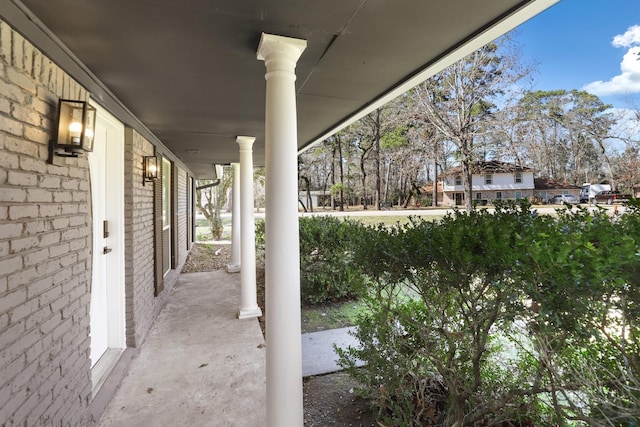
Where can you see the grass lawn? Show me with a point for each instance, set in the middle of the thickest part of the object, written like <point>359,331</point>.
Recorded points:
<point>331,316</point>
<point>389,220</point>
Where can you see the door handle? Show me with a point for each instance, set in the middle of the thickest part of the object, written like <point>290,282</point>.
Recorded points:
<point>106,250</point>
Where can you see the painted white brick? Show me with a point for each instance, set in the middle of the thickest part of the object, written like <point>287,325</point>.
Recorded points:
<point>11,126</point>
<point>11,335</point>
<point>34,165</point>
<point>36,258</point>
<point>21,80</point>
<point>59,249</point>
<point>20,146</point>
<point>62,196</point>
<point>10,265</point>
<point>22,179</point>
<point>72,208</point>
<point>35,351</point>
<point>13,299</point>
<point>10,230</point>
<point>5,41</point>
<point>15,400</point>
<point>18,245</point>
<point>9,161</point>
<point>12,92</point>
<point>77,220</point>
<point>39,286</point>
<point>22,412</point>
<point>37,317</point>
<point>71,184</point>
<point>17,58</point>
<point>62,276</point>
<point>4,248</point>
<point>22,311</point>
<point>5,106</point>
<point>23,211</point>
<point>21,278</point>
<point>60,223</point>
<point>48,211</point>
<point>38,195</point>
<point>15,195</point>
<point>49,182</point>
<point>36,227</point>
<point>49,239</point>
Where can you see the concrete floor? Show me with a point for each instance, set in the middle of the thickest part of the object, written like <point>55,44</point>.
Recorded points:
<point>200,365</point>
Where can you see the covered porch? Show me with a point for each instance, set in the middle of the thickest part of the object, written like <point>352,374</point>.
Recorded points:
<point>190,85</point>
<point>199,366</point>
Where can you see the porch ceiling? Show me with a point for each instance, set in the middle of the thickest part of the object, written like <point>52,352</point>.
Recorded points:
<point>187,69</point>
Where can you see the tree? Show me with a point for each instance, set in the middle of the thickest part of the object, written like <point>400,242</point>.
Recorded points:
<point>211,197</point>
<point>460,101</point>
<point>565,134</point>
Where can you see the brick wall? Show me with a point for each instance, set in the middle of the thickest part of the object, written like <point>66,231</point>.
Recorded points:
<point>45,247</point>
<point>45,241</point>
<point>141,305</point>
<point>139,250</point>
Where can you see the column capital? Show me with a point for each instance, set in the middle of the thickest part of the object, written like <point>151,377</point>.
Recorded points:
<point>245,142</point>
<point>284,51</point>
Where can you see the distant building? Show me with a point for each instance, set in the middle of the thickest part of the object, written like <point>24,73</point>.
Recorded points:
<point>547,188</point>
<point>492,180</point>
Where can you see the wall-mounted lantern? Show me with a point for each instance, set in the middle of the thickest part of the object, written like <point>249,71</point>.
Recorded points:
<point>150,169</point>
<point>76,127</point>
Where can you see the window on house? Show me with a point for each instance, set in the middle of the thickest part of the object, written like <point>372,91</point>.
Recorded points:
<point>518,178</point>
<point>498,195</point>
<point>478,196</point>
<point>458,180</point>
<point>518,195</point>
<point>488,179</point>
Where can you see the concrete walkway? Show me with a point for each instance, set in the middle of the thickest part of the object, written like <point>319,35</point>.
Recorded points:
<point>318,352</point>
<point>200,365</point>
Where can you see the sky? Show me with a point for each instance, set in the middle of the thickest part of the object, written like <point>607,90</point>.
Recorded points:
<point>591,45</point>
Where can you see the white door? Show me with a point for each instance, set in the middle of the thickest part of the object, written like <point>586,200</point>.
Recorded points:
<point>107,311</point>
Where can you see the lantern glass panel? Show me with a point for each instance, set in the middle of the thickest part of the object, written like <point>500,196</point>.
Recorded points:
<point>89,128</point>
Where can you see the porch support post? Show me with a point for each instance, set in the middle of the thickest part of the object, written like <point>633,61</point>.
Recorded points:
<point>248,296</point>
<point>282,250</point>
<point>234,265</point>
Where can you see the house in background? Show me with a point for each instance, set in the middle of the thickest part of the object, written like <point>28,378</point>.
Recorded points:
<point>426,193</point>
<point>547,188</point>
<point>491,180</point>
<point>90,246</point>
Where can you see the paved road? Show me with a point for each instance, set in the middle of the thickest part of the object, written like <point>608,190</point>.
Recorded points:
<point>442,211</point>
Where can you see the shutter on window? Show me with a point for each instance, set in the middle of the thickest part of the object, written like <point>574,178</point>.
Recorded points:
<point>174,216</point>
<point>157,231</point>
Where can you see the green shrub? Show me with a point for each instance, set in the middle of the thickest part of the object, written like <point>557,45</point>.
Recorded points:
<point>507,317</point>
<point>327,272</point>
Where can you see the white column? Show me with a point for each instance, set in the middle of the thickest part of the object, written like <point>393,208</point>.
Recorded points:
<point>282,250</point>
<point>248,297</point>
<point>234,265</point>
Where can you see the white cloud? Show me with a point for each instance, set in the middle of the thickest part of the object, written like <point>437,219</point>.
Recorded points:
<point>628,81</point>
<point>630,38</point>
